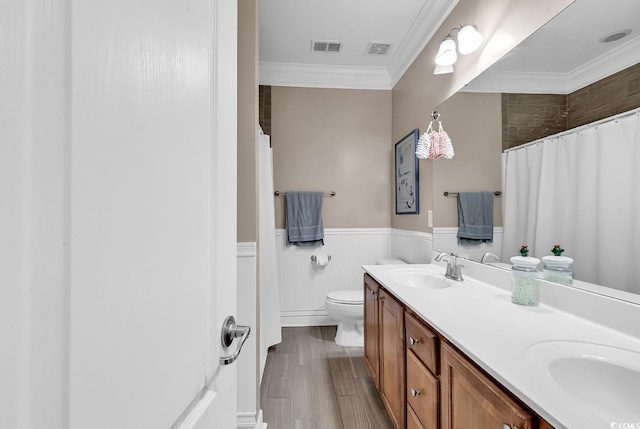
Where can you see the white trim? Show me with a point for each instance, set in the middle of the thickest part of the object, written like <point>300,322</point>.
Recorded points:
<point>414,234</point>
<point>247,249</point>
<point>198,411</point>
<point>324,76</point>
<point>306,318</point>
<point>454,230</point>
<point>605,65</point>
<point>347,231</point>
<point>251,420</point>
<point>518,82</point>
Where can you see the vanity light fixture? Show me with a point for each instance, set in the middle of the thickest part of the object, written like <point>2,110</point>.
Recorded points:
<point>468,39</point>
<point>447,53</point>
<point>443,69</point>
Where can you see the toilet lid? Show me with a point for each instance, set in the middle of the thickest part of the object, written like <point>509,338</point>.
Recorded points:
<point>353,297</point>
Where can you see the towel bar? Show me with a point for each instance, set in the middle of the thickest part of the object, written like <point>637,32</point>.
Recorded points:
<point>326,194</point>
<point>455,194</point>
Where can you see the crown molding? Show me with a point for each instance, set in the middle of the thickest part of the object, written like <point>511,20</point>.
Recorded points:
<point>518,82</point>
<point>425,25</point>
<point>614,61</point>
<point>324,76</point>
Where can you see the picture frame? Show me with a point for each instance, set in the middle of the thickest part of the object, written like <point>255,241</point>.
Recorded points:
<point>407,185</point>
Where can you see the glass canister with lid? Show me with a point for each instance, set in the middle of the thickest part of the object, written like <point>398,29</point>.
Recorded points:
<point>524,281</point>
<point>558,269</point>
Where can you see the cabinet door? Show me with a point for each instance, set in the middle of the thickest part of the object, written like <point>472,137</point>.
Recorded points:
<point>412,420</point>
<point>392,363</point>
<point>471,400</point>
<point>371,331</point>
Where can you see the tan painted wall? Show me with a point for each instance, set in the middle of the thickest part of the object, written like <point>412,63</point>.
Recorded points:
<point>247,121</point>
<point>474,124</point>
<point>334,140</point>
<point>504,24</point>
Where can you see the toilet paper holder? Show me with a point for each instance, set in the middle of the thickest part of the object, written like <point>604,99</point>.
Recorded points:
<point>314,258</point>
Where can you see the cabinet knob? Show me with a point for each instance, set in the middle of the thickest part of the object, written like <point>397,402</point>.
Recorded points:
<point>373,292</point>
<point>415,392</point>
<point>506,426</point>
<point>413,341</point>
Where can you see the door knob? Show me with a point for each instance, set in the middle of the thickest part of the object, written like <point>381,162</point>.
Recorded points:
<point>231,331</point>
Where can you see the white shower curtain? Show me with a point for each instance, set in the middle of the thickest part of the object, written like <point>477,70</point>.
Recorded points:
<point>580,189</point>
<point>270,326</point>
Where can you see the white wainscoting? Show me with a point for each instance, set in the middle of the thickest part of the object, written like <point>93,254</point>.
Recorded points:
<point>412,247</point>
<point>446,240</point>
<point>304,285</point>
<point>249,414</point>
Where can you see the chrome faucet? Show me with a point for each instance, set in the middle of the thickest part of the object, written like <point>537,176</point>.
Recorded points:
<point>490,255</point>
<point>453,267</point>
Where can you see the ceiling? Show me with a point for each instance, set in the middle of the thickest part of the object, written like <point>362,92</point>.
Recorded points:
<point>288,27</point>
<point>562,56</point>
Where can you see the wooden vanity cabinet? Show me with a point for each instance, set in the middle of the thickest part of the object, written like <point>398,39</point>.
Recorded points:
<point>371,331</point>
<point>392,358</point>
<point>471,399</point>
<point>425,382</point>
<point>384,348</point>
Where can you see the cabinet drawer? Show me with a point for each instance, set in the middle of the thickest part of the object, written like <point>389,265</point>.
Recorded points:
<point>422,342</point>
<point>422,392</point>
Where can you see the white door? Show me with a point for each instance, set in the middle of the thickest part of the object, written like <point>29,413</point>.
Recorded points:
<point>118,183</point>
<point>152,226</point>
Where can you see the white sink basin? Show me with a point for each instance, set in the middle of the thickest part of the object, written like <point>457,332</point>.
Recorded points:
<point>418,277</point>
<point>605,379</point>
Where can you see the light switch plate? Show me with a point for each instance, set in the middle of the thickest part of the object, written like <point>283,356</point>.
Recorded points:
<point>430,218</point>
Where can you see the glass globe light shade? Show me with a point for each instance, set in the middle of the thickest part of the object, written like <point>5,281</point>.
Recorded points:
<point>469,39</point>
<point>447,53</point>
<point>442,70</point>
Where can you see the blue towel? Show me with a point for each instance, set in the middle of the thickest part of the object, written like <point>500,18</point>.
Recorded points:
<point>475,217</point>
<point>304,219</point>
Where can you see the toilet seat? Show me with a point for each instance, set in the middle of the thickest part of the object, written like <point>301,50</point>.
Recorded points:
<point>347,297</point>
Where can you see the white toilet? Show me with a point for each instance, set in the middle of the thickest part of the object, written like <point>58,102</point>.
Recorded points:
<point>347,308</point>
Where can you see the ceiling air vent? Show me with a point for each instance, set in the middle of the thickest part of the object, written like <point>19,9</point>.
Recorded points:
<point>326,46</point>
<point>378,48</point>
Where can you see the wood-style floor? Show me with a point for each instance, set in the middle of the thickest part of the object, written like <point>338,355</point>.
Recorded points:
<point>310,382</point>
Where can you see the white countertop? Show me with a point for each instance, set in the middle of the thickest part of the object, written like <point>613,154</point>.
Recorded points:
<point>481,320</point>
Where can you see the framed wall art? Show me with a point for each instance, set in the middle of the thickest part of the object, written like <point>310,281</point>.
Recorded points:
<point>406,173</point>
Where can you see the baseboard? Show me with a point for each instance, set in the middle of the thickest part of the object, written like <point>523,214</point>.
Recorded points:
<point>306,318</point>
<point>250,420</point>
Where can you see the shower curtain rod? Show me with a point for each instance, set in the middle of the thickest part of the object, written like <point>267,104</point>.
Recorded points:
<point>455,194</point>
<point>326,194</point>
<point>577,129</point>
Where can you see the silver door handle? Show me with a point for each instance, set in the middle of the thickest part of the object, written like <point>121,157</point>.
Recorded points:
<point>231,331</point>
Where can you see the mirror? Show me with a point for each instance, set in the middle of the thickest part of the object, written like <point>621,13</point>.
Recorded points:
<point>569,42</point>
